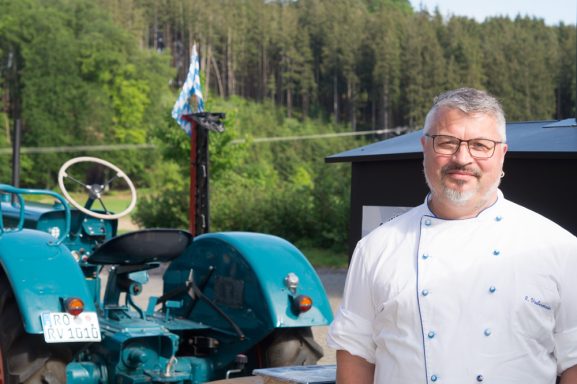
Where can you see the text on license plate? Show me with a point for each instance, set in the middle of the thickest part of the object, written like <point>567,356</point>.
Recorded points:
<point>62,327</point>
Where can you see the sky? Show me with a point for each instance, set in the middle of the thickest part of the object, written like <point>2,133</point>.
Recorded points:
<point>552,11</point>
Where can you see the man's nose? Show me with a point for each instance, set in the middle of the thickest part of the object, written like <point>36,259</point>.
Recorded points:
<point>463,156</point>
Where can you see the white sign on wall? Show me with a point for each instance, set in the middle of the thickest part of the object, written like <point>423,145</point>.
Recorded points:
<point>374,215</point>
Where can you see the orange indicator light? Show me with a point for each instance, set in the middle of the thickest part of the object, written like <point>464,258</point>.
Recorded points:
<point>74,306</point>
<point>303,303</point>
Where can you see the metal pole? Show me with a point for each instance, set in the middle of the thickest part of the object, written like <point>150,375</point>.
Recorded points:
<point>202,180</point>
<point>14,93</point>
<point>201,124</point>
<point>16,154</point>
<point>193,165</point>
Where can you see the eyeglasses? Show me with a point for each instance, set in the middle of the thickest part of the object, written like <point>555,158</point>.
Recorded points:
<point>478,148</point>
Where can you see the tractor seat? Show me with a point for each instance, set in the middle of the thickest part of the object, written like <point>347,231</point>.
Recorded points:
<point>142,247</point>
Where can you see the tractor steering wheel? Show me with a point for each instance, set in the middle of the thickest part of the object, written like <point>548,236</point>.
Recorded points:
<point>95,191</point>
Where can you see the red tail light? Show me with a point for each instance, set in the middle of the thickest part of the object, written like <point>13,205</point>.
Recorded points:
<point>302,303</point>
<point>74,306</point>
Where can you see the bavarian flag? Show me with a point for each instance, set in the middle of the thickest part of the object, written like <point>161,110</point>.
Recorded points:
<point>190,88</point>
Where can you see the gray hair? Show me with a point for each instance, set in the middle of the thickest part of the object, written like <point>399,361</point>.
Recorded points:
<point>469,101</point>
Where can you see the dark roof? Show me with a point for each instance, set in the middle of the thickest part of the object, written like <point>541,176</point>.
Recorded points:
<point>530,139</point>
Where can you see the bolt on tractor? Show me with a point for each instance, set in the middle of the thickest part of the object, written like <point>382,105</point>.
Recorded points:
<point>70,293</point>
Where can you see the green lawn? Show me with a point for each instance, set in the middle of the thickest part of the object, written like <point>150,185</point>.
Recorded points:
<point>115,201</point>
<point>325,258</point>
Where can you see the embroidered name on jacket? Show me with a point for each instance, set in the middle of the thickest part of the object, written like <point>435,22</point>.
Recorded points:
<point>538,303</point>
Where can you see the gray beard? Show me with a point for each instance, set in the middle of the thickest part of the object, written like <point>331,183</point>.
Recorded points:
<point>458,197</point>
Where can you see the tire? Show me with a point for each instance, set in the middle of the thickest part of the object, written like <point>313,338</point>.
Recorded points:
<point>26,358</point>
<point>291,346</point>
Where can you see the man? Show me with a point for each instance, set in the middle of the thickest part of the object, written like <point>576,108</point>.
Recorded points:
<point>467,287</point>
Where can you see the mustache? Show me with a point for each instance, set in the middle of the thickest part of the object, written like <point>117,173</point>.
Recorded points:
<point>453,167</point>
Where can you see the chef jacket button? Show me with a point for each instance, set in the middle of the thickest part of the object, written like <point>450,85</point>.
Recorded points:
<point>434,378</point>
<point>425,292</point>
<point>498,218</point>
<point>428,222</point>
<point>425,256</point>
<point>431,334</point>
<point>492,289</point>
<point>496,252</point>
<point>487,332</point>
<point>480,378</point>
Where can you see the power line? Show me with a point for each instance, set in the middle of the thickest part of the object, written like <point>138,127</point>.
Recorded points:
<point>79,148</point>
<point>321,136</point>
<point>120,147</point>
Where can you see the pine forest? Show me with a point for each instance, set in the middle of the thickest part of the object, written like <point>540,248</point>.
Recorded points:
<point>107,72</point>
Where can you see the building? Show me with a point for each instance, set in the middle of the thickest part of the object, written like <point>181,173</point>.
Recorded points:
<point>540,173</point>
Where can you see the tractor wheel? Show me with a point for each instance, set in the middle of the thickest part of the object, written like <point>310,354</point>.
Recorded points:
<point>291,346</point>
<point>26,358</point>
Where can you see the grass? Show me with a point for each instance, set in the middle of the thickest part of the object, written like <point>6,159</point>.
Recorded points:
<point>325,258</point>
<point>115,201</point>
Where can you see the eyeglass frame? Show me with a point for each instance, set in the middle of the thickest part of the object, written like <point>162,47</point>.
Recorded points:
<point>468,148</point>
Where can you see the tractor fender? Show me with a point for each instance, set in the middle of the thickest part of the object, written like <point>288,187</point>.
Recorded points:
<point>248,280</point>
<point>41,274</point>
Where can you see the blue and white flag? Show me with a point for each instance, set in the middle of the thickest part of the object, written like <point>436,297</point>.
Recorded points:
<point>191,87</point>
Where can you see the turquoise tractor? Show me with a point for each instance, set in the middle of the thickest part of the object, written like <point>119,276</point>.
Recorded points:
<point>71,308</point>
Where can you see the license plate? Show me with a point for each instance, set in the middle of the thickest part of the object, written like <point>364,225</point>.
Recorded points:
<point>62,327</point>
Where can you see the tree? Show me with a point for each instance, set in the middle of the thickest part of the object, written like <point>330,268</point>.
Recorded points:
<point>83,79</point>
<point>520,61</point>
<point>463,53</point>
<point>424,63</point>
<point>566,76</point>
<point>385,41</point>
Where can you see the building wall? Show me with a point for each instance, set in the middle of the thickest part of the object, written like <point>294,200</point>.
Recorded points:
<point>547,186</point>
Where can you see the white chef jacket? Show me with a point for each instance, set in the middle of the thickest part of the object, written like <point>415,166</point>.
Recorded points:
<point>489,299</point>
